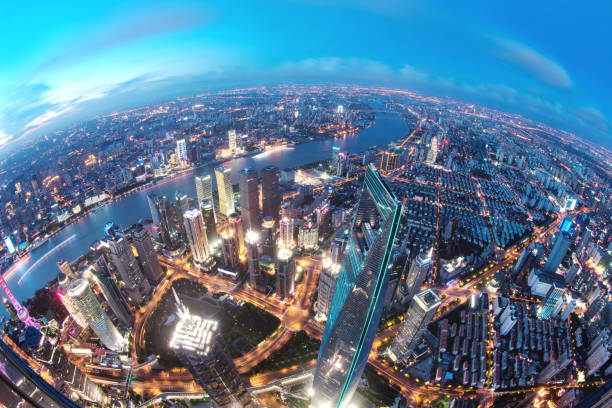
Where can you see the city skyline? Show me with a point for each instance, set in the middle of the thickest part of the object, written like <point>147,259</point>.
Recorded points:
<point>101,58</point>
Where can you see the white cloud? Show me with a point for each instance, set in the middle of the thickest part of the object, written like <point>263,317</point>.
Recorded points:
<point>4,138</point>
<point>43,119</point>
<point>541,67</point>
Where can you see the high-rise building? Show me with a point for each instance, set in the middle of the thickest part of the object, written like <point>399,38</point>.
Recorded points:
<point>232,140</point>
<point>420,313</point>
<point>336,252</point>
<point>432,153</point>
<point>268,237</point>
<point>230,248</point>
<point>559,249</point>
<point>286,233</point>
<point>285,273</point>
<point>252,247</point>
<point>69,303</point>
<point>65,268</point>
<point>181,153</point>
<point>21,386</point>
<point>327,285</point>
<point>204,190</point>
<point>249,199</point>
<point>169,226</point>
<point>136,285</point>
<point>308,235</point>
<point>152,201</point>
<point>552,303</point>
<point>208,214</point>
<point>388,160</point>
<point>196,235</point>
<point>234,222</point>
<point>102,326</point>
<point>225,189</point>
<point>359,295</point>
<point>600,351</point>
<point>111,293</point>
<point>270,192</point>
<point>199,345</point>
<point>146,254</point>
<point>420,267</point>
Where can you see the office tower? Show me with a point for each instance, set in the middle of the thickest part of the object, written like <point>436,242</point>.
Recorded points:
<point>181,201</point>
<point>230,248</point>
<point>420,268</point>
<point>196,235</point>
<point>69,303</point>
<point>169,227</point>
<point>204,190</point>
<point>341,164</point>
<point>335,156</point>
<point>550,306</point>
<point>359,295</point>
<point>338,246</point>
<point>65,268</point>
<point>225,189</point>
<point>20,311</point>
<point>308,235</point>
<point>286,233</point>
<point>21,386</point>
<point>146,255</point>
<point>432,153</point>
<point>199,345</point>
<point>35,186</point>
<point>136,285</point>
<point>232,142</point>
<point>420,313</point>
<point>249,199</point>
<point>111,293</point>
<point>327,285</point>
<point>562,243</point>
<point>568,307</point>
<point>268,237</point>
<point>270,192</point>
<point>585,240</point>
<point>399,264</point>
<point>252,242</point>
<point>152,201</point>
<point>208,214</point>
<point>285,273</point>
<point>234,222</point>
<point>100,323</point>
<point>181,153</point>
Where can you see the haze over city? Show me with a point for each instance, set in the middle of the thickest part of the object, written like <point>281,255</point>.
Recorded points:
<point>305,204</point>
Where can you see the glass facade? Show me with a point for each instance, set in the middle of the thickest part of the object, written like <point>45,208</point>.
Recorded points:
<point>359,295</point>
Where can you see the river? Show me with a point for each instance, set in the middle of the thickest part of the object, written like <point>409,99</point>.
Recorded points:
<point>74,240</point>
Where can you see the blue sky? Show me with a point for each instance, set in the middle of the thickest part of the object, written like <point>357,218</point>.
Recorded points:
<point>64,61</point>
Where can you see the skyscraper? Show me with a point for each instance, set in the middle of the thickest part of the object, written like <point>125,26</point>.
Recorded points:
<point>69,303</point>
<point>152,201</point>
<point>420,313</point>
<point>327,285</point>
<point>249,199</point>
<point>232,141</point>
<point>196,235</point>
<point>230,248</point>
<point>559,249</point>
<point>169,227</point>
<point>268,237</point>
<point>87,303</point>
<point>552,304</point>
<point>286,233</point>
<point>285,273</point>
<point>308,235</point>
<point>225,189</point>
<point>204,190</point>
<point>338,246</point>
<point>432,153</point>
<point>111,293</point>
<point>146,254</point>
<point>270,192</point>
<point>65,268</point>
<point>208,214</point>
<point>359,295</point>
<point>252,242</point>
<point>419,269</point>
<point>200,346</point>
<point>181,153</point>
<point>124,260</point>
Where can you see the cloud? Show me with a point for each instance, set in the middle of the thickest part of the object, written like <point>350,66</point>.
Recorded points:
<point>541,67</point>
<point>592,116</point>
<point>353,67</point>
<point>4,138</point>
<point>130,28</point>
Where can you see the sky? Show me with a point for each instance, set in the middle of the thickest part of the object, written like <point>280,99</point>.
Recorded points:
<point>64,61</point>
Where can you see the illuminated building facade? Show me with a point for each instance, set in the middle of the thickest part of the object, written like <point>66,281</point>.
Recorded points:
<point>327,285</point>
<point>270,192</point>
<point>204,188</point>
<point>181,153</point>
<point>146,254</point>
<point>199,345</point>
<point>359,295</point>
<point>420,267</point>
<point>252,247</point>
<point>422,309</point>
<point>268,237</point>
<point>286,233</point>
<point>308,235</point>
<point>208,215</point>
<point>558,251</point>
<point>196,235</point>
<point>285,274</point>
<point>223,174</point>
<point>86,302</point>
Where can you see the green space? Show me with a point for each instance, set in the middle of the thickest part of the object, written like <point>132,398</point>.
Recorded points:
<point>379,390</point>
<point>298,350</point>
<point>247,321</point>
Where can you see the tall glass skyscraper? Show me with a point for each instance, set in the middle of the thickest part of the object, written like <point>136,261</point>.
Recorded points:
<point>359,295</point>
<point>225,189</point>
